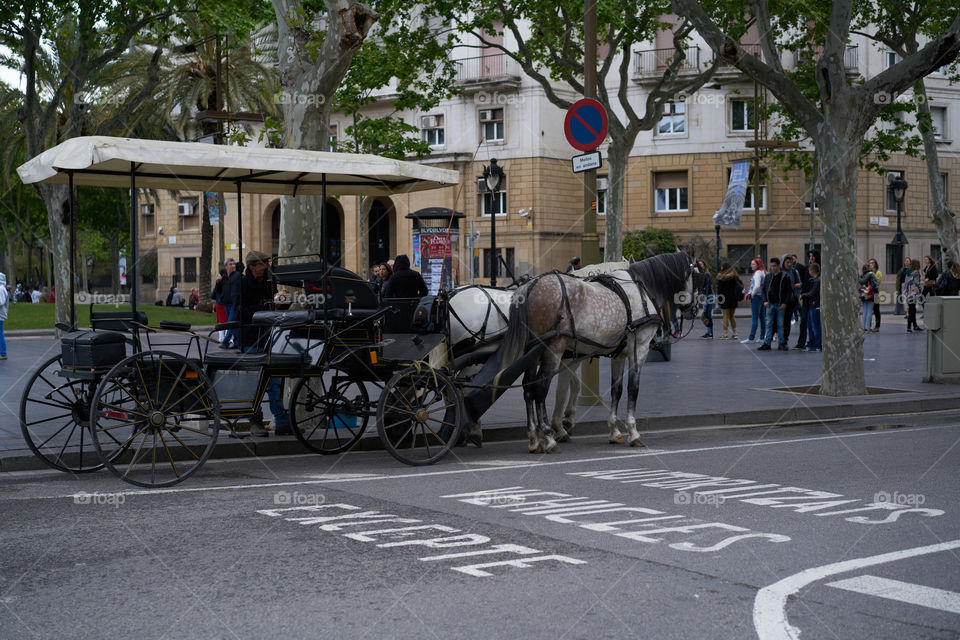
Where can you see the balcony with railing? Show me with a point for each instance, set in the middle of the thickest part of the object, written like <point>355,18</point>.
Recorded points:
<point>851,59</point>
<point>486,72</point>
<point>649,65</point>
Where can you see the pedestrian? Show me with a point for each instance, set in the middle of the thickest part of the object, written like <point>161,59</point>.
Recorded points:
<point>35,295</point>
<point>706,299</point>
<point>952,286</point>
<point>217,296</point>
<point>755,296</point>
<point>900,301</point>
<point>811,299</point>
<point>875,268</point>
<point>574,265</point>
<point>405,282</point>
<point>930,273</point>
<point>230,296</point>
<point>729,294</point>
<point>194,300</point>
<point>793,276</point>
<point>868,292</point>
<point>4,308</point>
<point>801,269</point>
<point>776,293</point>
<point>910,293</point>
<point>257,293</point>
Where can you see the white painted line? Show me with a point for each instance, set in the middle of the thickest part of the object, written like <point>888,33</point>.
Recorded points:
<point>770,604</point>
<point>338,478</point>
<point>918,594</point>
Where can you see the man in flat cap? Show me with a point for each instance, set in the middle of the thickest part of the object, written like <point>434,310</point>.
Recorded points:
<point>256,293</point>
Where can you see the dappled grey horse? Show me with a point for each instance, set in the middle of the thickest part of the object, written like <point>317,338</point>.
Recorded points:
<point>613,315</point>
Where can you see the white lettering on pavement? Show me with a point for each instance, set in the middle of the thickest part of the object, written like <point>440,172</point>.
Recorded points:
<point>346,518</point>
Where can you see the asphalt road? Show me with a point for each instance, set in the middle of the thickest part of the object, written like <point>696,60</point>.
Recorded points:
<point>843,531</point>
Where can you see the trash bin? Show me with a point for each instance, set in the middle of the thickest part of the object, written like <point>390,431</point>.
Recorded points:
<point>941,318</point>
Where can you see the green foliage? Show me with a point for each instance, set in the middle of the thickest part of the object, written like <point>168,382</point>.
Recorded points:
<point>636,243</point>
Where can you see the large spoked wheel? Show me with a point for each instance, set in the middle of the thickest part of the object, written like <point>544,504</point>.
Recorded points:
<point>329,413</point>
<point>54,419</point>
<point>419,415</point>
<point>155,419</point>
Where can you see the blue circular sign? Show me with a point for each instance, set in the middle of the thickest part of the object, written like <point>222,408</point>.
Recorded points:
<point>586,124</point>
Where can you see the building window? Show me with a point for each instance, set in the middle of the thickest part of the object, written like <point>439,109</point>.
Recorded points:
<point>936,254</point>
<point>748,199</point>
<point>740,256</point>
<point>432,130</point>
<point>891,201</point>
<point>890,58</point>
<point>334,136</point>
<point>671,191</point>
<point>188,214</point>
<point>492,202</point>
<point>674,119</point>
<point>809,197</point>
<point>741,115</point>
<point>189,269</point>
<point>148,220</point>
<point>507,255</point>
<point>491,125</point>
<point>893,264</point>
<point>601,195</point>
<point>938,120</point>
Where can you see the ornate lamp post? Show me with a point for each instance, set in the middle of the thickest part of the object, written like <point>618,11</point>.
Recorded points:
<point>493,175</point>
<point>899,187</point>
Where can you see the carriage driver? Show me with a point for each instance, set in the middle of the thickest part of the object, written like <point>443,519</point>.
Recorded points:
<point>257,294</point>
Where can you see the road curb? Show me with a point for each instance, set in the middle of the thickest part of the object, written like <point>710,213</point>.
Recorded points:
<point>257,447</point>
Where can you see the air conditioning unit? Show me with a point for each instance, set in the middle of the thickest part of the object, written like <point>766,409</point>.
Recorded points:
<point>487,115</point>
<point>429,122</point>
<point>601,184</point>
<point>185,209</point>
<point>146,209</point>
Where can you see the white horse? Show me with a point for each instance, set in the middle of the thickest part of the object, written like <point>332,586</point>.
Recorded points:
<point>589,318</point>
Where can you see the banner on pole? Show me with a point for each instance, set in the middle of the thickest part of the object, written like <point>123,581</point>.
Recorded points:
<point>732,207</point>
<point>215,206</point>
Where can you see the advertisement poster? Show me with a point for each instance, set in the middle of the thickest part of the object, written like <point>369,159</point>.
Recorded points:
<point>433,251</point>
<point>214,202</point>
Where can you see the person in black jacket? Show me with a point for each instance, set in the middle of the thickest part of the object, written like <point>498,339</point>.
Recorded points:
<point>802,269</point>
<point>256,294</point>
<point>778,293</point>
<point>405,282</point>
<point>811,300</point>
<point>229,297</point>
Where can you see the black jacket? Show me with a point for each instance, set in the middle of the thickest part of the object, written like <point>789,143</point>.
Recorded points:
<point>257,296</point>
<point>405,282</point>
<point>811,297</point>
<point>230,288</point>
<point>778,290</point>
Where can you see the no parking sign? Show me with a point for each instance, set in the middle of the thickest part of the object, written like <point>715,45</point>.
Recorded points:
<point>586,124</point>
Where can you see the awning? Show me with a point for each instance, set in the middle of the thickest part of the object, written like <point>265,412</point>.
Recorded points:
<point>192,166</point>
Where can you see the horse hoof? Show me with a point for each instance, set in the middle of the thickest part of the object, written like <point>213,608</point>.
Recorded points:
<point>476,440</point>
<point>549,445</point>
<point>637,443</point>
<point>567,426</point>
<point>618,439</point>
<point>534,449</point>
<point>563,436</point>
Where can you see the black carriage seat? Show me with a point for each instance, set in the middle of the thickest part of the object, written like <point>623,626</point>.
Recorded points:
<point>250,361</point>
<point>283,318</point>
<point>173,325</point>
<point>116,320</point>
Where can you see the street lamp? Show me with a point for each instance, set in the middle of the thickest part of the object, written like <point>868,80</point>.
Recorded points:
<point>493,176</point>
<point>899,187</point>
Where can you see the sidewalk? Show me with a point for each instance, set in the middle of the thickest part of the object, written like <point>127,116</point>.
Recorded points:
<point>706,383</point>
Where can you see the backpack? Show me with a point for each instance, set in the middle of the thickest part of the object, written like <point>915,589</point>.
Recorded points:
<point>866,291</point>
<point>940,286</point>
<point>739,290</point>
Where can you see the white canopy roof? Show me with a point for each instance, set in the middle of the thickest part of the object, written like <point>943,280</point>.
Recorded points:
<point>193,166</point>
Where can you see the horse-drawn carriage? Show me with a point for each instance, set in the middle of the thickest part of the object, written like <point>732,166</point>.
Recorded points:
<point>148,402</point>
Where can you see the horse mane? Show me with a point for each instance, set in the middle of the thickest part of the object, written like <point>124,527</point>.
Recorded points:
<point>662,275</point>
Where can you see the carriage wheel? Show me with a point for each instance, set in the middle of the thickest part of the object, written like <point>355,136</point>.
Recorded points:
<point>329,413</point>
<point>54,419</point>
<point>155,419</point>
<point>419,415</point>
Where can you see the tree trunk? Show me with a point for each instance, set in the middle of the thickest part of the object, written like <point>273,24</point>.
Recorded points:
<point>840,307</point>
<point>206,261</point>
<point>84,282</point>
<point>29,278</point>
<point>943,218</point>
<point>9,263</point>
<point>54,197</point>
<point>619,152</point>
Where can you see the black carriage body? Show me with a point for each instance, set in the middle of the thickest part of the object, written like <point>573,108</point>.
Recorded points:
<point>92,349</point>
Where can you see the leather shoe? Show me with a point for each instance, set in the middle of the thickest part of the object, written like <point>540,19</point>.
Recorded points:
<point>763,347</point>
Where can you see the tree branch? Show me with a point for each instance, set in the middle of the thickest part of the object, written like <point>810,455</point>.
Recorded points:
<point>132,103</point>
<point>761,12</point>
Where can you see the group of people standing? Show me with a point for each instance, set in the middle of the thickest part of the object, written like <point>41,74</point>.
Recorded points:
<point>915,283</point>
<point>787,292</point>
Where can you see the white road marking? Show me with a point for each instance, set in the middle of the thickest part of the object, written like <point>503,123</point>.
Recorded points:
<point>770,604</point>
<point>498,467</point>
<point>918,594</point>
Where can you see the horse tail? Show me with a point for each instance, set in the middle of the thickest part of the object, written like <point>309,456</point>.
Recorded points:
<point>518,329</point>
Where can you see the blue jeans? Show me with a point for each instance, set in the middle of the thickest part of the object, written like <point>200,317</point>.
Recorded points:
<point>3,341</point>
<point>775,316</point>
<point>230,338</point>
<point>275,393</point>
<point>757,318</point>
<point>708,312</point>
<point>867,316</point>
<point>814,328</point>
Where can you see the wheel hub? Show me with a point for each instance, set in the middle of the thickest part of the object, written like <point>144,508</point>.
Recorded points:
<point>156,419</point>
<point>422,415</point>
